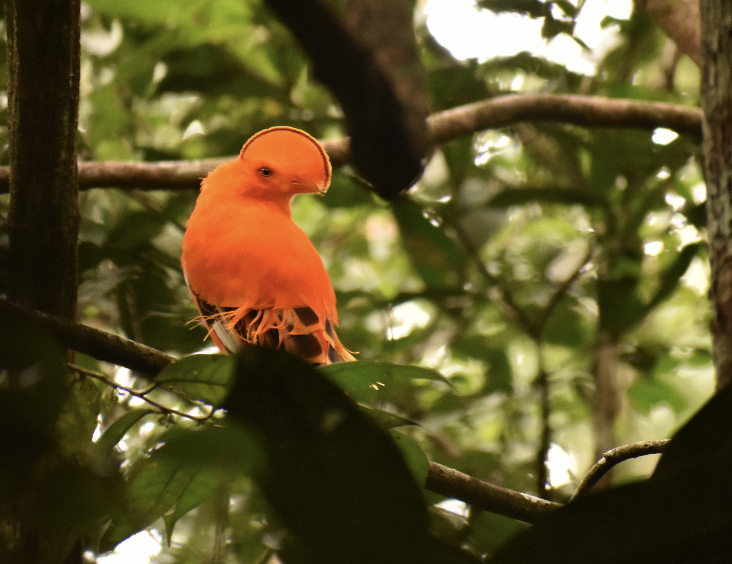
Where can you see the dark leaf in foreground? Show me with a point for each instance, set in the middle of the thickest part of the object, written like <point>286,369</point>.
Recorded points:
<point>336,479</point>
<point>681,514</point>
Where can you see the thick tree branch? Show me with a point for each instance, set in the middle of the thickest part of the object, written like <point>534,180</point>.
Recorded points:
<point>352,56</point>
<point>444,127</point>
<point>614,457</point>
<point>589,111</point>
<point>98,344</point>
<point>681,21</point>
<point>487,497</point>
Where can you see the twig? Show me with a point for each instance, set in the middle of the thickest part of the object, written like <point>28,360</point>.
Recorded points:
<point>616,456</point>
<point>482,495</point>
<point>557,296</point>
<point>142,394</point>
<point>542,383</point>
<point>98,344</point>
<point>588,111</point>
<point>506,301</point>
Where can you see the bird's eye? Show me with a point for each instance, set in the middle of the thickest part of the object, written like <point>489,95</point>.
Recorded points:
<point>265,171</point>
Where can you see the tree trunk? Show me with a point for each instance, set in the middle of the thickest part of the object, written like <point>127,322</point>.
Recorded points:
<point>43,98</point>
<point>717,105</point>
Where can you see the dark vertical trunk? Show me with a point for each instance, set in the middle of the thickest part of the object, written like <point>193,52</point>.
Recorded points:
<point>43,218</point>
<point>717,105</point>
<point>43,97</point>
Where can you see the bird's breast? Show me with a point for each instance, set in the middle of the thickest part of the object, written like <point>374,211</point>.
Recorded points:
<point>253,256</point>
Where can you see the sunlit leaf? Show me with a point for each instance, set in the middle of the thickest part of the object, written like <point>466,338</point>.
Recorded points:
<point>201,377</point>
<point>117,430</point>
<point>646,393</point>
<point>363,379</point>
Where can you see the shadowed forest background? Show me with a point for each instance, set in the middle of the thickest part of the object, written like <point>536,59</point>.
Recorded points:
<point>520,255</point>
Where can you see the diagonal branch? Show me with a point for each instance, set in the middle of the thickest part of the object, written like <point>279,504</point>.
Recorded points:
<point>614,457</point>
<point>98,344</point>
<point>487,497</point>
<point>587,111</point>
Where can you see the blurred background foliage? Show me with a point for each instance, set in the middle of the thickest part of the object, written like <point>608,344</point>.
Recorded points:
<point>518,256</point>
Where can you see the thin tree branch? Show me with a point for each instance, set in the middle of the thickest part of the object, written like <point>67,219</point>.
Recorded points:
<point>557,296</point>
<point>143,395</point>
<point>98,344</point>
<point>614,457</point>
<point>487,497</point>
<point>588,111</point>
<point>506,301</point>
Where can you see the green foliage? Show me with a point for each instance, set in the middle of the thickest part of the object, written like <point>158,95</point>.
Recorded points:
<point>504,269</point>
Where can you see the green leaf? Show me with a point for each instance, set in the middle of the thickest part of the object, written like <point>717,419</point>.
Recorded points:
<point>669,278</point>
<point>619,305</point>
<point>117,430</point>
<point>386,419</point>
<point>436,257</point>
<point>160,12</point>
<point>135,229</point>
<point>180,475</point>
<point>413,455</point>
<point>199,377</point>
<point>565,326</point>
<point>338,482</point>
<point>363,379</point>
<point>645,393</point>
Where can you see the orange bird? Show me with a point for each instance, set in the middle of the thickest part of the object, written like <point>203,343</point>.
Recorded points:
<point>254,275</point>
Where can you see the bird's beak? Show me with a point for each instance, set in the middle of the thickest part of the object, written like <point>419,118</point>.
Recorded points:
<point>308,188</point>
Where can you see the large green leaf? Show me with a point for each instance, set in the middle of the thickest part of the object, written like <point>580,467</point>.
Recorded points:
<point>336,479</point>
<point>178,476</point>
<point>200,377</point>
<point>364,379</point>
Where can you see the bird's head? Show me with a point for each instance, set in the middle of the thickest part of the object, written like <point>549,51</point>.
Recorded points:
<point>282,162</point>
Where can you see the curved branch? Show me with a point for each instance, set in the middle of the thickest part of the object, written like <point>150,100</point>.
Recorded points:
<point>98,344</point>
<point>482,495</point>
<point>588,111</point>
<point>614,457</point>
<point>369,60</point>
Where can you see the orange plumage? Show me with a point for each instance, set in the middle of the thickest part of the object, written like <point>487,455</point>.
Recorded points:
<point>254,275</point>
